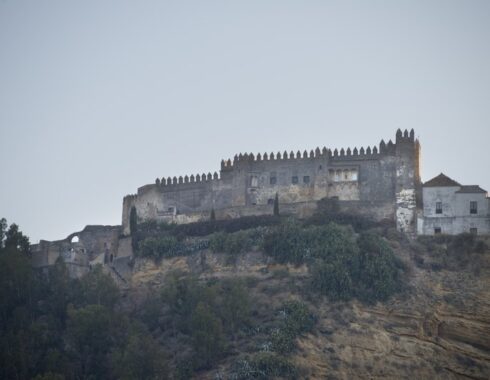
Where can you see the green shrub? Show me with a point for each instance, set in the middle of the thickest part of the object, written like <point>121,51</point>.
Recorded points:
<point>231,244</point>
<point>237,242</point>
<point>157,248</point>
<point>367,269</point>
<point>296,320</point>
<point>231,225</point>
<point>291,242</point>
<point>298,317</point>
<point>379,275</point>
<point>263,366</point>
<point>167,246</point>
<point>208,340</point>
<point>286,243</point>
<point>332,279</point>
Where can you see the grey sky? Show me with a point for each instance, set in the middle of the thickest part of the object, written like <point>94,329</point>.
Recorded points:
<point>98,98</point>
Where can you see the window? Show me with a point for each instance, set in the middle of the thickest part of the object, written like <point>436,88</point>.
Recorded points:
<point>473,207</point>
<point>273,180</point>
<point>438,207</point>
<point>437,230</point>
<point>353,175</point>
<point>254,181</point>
<point>474,231</point>
<point>294,179</point>
<point>270,201</point>
<point>306,179</point>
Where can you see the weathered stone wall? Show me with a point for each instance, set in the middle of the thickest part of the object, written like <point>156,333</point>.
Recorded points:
<point>407,181</point>
<point>387,174</point>
<point>96,244</point>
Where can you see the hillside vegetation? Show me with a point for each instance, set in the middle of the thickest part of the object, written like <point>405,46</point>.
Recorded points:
<point>254,298</point>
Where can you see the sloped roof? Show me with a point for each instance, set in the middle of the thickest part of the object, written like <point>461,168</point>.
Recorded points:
<point>441,181</point>
<point>471,189</point>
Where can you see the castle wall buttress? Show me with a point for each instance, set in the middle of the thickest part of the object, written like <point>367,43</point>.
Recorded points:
<point>407,182</point>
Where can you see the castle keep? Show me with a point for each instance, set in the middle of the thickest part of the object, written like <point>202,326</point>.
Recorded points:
<point>382,181</point>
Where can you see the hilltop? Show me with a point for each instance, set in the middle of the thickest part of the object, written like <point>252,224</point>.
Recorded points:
<point>333,296</point>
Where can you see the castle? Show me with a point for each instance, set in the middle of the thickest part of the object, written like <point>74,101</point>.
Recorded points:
<point>382,181</point>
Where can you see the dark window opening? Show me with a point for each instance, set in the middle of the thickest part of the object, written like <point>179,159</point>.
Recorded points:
<point>474,231</point>
<point>473,207</point>
<point>437,230</point>
<point>306,179</point>
<point>294,179</point>
<point>273,180</point>
<point>438,207</point>
<point>111,257</point>
<point>270,201</point>
<point>320,167</point>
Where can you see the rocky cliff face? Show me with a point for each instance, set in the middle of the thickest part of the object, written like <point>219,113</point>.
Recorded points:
<point>438,328</point>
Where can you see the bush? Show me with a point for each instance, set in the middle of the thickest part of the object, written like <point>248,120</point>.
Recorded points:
<point>453,252</point>
<point>207,336</point>
<point>291,242</point>
<point>157,248</point>
<point>296,320</point>
<point>231,244</point>
<point>297,317</point>
<point>231,225</point>
<point>332,279</point>
<point>237,242</point>
<point>169,246</point>
<point>286,243</point>
<point>263,366</point>
<point>367,269</point>
<point>379,274</point>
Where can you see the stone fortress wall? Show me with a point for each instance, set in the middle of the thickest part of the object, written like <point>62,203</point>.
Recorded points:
<point>381,182</point>
<point>384,180</point>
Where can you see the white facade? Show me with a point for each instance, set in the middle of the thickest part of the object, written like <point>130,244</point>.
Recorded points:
<point>450,208</point>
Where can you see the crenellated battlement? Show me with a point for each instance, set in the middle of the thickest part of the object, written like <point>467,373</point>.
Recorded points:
<point>182,180</point>
<point>240,159</point>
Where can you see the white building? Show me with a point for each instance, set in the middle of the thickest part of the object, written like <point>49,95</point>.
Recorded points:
<point>451,208</point>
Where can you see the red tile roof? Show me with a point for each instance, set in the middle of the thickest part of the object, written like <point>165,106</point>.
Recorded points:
<point>441,181</point>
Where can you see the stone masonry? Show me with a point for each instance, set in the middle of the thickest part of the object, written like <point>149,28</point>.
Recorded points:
<point>383,180</point>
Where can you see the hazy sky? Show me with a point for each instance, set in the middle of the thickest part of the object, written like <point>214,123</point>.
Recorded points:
<point>98,98</point>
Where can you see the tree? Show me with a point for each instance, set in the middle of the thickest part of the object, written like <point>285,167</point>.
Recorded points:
<point>89,338</point>
<point>235,308</point>
<point>133,220</point>
<point>14,239</point>
<point>97,288</point>
<point>276,205</point>
<point>140,358</point>
<point>207,336</point>
<point>3,231</point>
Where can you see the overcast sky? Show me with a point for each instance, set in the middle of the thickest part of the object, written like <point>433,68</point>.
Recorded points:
<point>98,98</point>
